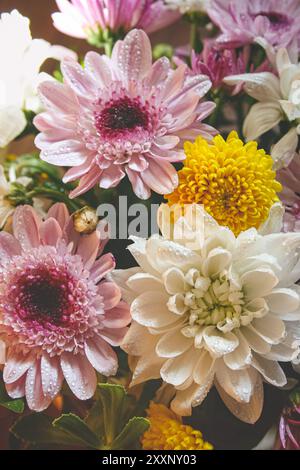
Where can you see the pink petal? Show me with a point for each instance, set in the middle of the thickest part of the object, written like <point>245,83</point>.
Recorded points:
<point>79,375</point>
<point>60,213</point>
<point>159,71</point>
<point>101,356</point>
<point>111,294</point>
<point>97,67</point>
<point>58,97</point>
<point>77,79</point>
<point>113,336</point>
<point>52,376</point>
<point>117,317</point>
<point>16,366</point>
<point>102,267</point>
<point>87,182</point>
<point>88,247</point>
<point>26,227</point>
<point>138,185</point>
<point>64,153</point>
<point>34,390</point>
<point>111,177</point>
<point>160,176</point>
<point>78,171</point>
<point>17,389</point>
<point>9,246</point>
<point>50,232</point>
<point>134,55</point>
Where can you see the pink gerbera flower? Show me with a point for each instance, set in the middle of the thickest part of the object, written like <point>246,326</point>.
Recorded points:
<point>243,21</point>
<point>59,315</point>
<point>122,116</point>
<point>79,18</point>
<point>290,179</point>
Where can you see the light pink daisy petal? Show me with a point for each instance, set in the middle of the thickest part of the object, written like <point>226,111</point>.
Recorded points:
<point>9,246</point>
<point>26,227</point>
<point>79,375</point>
<point>16,366</point>
<point>97,67</point>
<point>113,336</point>
<point>111,294</point>
<point>58,98</point>
<point>35,397</point>
<point>160,176</point>
<point>50,232</point>
<point>16,389</point>
<point>140,188</point>
<point>87,182</point>
<point>52,376</point>
<point>60,213</point>
<point>88,247</point>
<point>102,267</point>
<point>101,356</point>
<point>117,317</point>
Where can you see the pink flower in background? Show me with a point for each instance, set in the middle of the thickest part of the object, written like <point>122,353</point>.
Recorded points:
<point>77,17</point>
<point>242,21</point>
<point>122,116</point>
<point>59,315</point>
<point>217,63</point>
<point>290,179</point>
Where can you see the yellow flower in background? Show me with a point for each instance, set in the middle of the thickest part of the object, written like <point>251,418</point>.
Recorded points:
<point>166,432</point>
<point>235,182</point>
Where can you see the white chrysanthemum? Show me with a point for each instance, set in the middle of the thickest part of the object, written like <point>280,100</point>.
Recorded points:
<point>209,308</point>
<point>278,100</point>
<point>188,6</point>
<point>21,59</point>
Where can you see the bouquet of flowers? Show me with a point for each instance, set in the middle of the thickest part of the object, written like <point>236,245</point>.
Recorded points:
<point>150,239</point>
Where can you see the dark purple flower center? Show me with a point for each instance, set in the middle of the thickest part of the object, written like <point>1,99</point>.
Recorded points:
<point>119,116</point>
<point>44,294</point>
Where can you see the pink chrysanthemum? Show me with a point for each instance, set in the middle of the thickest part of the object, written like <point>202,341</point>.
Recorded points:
<point>242,21</point>
<point>78,17</point>
<point>122,116</point>
<point>290,179</point>
<point>59,315</point>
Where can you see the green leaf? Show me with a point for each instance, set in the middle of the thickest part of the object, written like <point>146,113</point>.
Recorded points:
<point>95,419</point>
<point>37,429</point>
<point>112,399</point>
<point>76,428</point>
<point>17,406</point>
<point>129,436</point>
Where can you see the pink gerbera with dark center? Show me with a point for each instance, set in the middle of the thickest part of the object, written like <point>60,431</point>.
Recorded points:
<point>60,317</point>
<point>122,116</point>
<point>242,21</point>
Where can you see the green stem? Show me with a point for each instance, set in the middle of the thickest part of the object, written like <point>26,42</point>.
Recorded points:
<point>56,196</point>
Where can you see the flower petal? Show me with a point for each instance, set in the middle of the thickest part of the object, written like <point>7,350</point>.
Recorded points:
<point>220,343</point>
<point>101,356</point>
<point>79,375</point>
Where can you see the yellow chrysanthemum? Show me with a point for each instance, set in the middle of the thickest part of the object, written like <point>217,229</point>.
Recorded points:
<point>234,181</point>
<point>166,432</point>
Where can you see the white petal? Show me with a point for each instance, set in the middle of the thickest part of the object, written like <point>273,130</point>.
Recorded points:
<point>216,261</point>
<point>172,344</point>
<point>12,123</point>
<point>261,86</point>
<point>204,367</point>
<point>270,370</point>
<point>274,222</point>
<point>284,150</point>
<point>192,396</point>
<point>283,301</point>
<point>143,282</point>
<point>150,309</point>
<point>282,353</point>
<point>177,370</point>
<point>270,328</point>
<point>255,341</point>
<point>239,384</point>
<point>258,283</point>
<point>220,343</point>
<point>261,118</point>
<point>241,356</point>
<point>174,281</point>
<point>164,254</point>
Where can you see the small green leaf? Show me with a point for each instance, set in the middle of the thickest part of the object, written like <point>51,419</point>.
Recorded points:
<point>129,436</point>
<point>95,419</point>
<point>112,399</point>
<point>76,428</point>
<point>37,429</point>
<point>17,406</point>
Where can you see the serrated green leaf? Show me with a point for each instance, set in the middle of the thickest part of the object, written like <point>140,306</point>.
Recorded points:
<point>38,430</point>
<point>129,436</point>
<point>95,419</point>
<point>17,406</point>
<point>76,428</point>
<point>112,398</point>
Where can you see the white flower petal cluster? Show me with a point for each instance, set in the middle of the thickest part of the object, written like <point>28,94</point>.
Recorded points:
<point>21,59</point>
<point>278,99</point>
<point>188,6</point>
<point>209,308</point>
